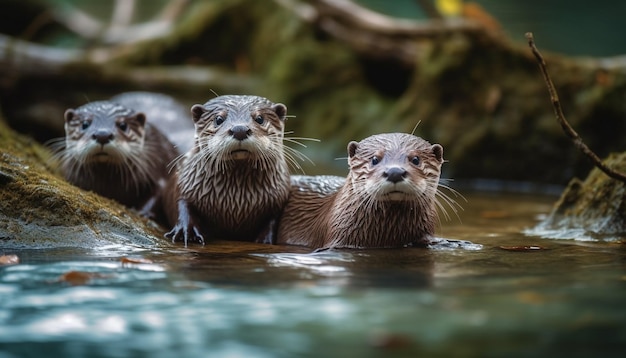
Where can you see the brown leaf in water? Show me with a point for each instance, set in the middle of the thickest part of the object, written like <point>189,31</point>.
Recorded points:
<point>140,260</point>
<point>9,260</point>
<point>390,341</point>
<point>523,248</point>
<point>78,278</point>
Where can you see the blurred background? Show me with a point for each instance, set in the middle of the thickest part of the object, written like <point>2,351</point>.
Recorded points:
<point>459,69</point>
<point>577,27</point>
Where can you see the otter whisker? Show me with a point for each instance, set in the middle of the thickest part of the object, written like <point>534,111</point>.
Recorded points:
<point>296,139</point>
<point>452,204</point>
<point>443,209</point>
<point>293,163</point>
<point>450,200</point>
<point>294,153</point>
<point>453,191</point>
<point>175,162</point>
<point>415,128</point>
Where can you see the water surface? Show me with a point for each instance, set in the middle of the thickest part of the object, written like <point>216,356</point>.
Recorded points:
<point>557,298</point>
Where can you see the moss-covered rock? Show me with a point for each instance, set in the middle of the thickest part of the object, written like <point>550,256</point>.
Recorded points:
<point>593,208</point>
<point>38,209</point>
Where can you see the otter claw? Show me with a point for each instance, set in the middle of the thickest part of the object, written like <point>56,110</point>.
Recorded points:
<point>188,235</point>
<point>198,237</point>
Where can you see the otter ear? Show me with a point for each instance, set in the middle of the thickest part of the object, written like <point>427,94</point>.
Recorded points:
<point>197,110</point>
<point>438,152</point>
<point>69,115</point>
<point>281,110</point>
<point>141,118</point>
<point>352,146</point>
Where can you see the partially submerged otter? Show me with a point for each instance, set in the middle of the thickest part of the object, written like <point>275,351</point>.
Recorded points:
<point>387,200</point>
<point>234,182</point>
<point>114,151</point>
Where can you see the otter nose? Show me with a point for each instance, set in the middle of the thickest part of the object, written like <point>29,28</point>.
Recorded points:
<point>102,136</point>
<point>394,174</point>
<point>240,132</point>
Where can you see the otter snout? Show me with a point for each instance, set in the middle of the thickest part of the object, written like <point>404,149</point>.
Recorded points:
<point>102,136</point>
<point>394,174</point>
<point>240,132</point>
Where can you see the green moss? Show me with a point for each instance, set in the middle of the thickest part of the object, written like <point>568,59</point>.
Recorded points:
<point>597,205</point>
<point>40,209</point>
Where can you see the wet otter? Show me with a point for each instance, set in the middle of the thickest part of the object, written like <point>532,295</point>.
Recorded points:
<point>234,182</point>
<point>163,112</point>
<point>113,150</point>
<point>387,200</point>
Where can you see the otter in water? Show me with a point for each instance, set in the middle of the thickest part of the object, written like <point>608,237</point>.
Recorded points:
<point>112,150</point>
<point>387,200</point>
<point>234,182</point>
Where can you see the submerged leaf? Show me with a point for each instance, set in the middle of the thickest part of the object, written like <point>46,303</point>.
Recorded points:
<point>130,261</point>
<point>9,260</point>
<point>78,278</point>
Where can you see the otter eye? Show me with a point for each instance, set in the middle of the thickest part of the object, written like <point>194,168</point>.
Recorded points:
<point>375,160</point>
<point>219,120</point>
<point>122,126</point>
<point>415,160</point>
<point>85,124</point>
<point>259,119</point>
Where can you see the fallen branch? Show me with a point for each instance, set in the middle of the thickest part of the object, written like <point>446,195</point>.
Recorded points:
<point>560,117</point>
<point>20,59</point>
<point>120,30</point>
<point>377,35</point>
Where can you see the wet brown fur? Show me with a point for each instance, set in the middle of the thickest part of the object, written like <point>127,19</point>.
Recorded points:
<point>130,166</point>
<point>355,212</point>
<point>221,193</point>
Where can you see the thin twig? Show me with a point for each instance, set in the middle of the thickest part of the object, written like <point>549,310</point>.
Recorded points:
<point>560,117</point>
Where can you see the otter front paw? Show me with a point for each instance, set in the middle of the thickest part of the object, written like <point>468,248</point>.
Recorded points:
<point>186,233</point>
<point>185,229</point>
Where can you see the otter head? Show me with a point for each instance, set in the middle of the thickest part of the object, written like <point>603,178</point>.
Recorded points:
<point>395,167</point>
<point>103,132</point>
<point>239,128</point>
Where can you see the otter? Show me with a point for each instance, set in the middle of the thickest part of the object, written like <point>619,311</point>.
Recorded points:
<point>387,200</point>
<point>235,181</point>
<point>163,112</point>
<point>112,150</point>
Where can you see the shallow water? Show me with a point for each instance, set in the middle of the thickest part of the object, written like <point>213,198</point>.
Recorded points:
<point>565,298</point>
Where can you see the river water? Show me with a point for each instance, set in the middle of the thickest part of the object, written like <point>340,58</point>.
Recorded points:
<point>517,296</point>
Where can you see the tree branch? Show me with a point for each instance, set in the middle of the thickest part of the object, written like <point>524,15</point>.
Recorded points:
<point>121,30</point>
<point>374,34</point>
<point>560,117</point>
<point>23,58</point>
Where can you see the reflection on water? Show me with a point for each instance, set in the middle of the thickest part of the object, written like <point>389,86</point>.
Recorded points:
<point>247,300</point>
